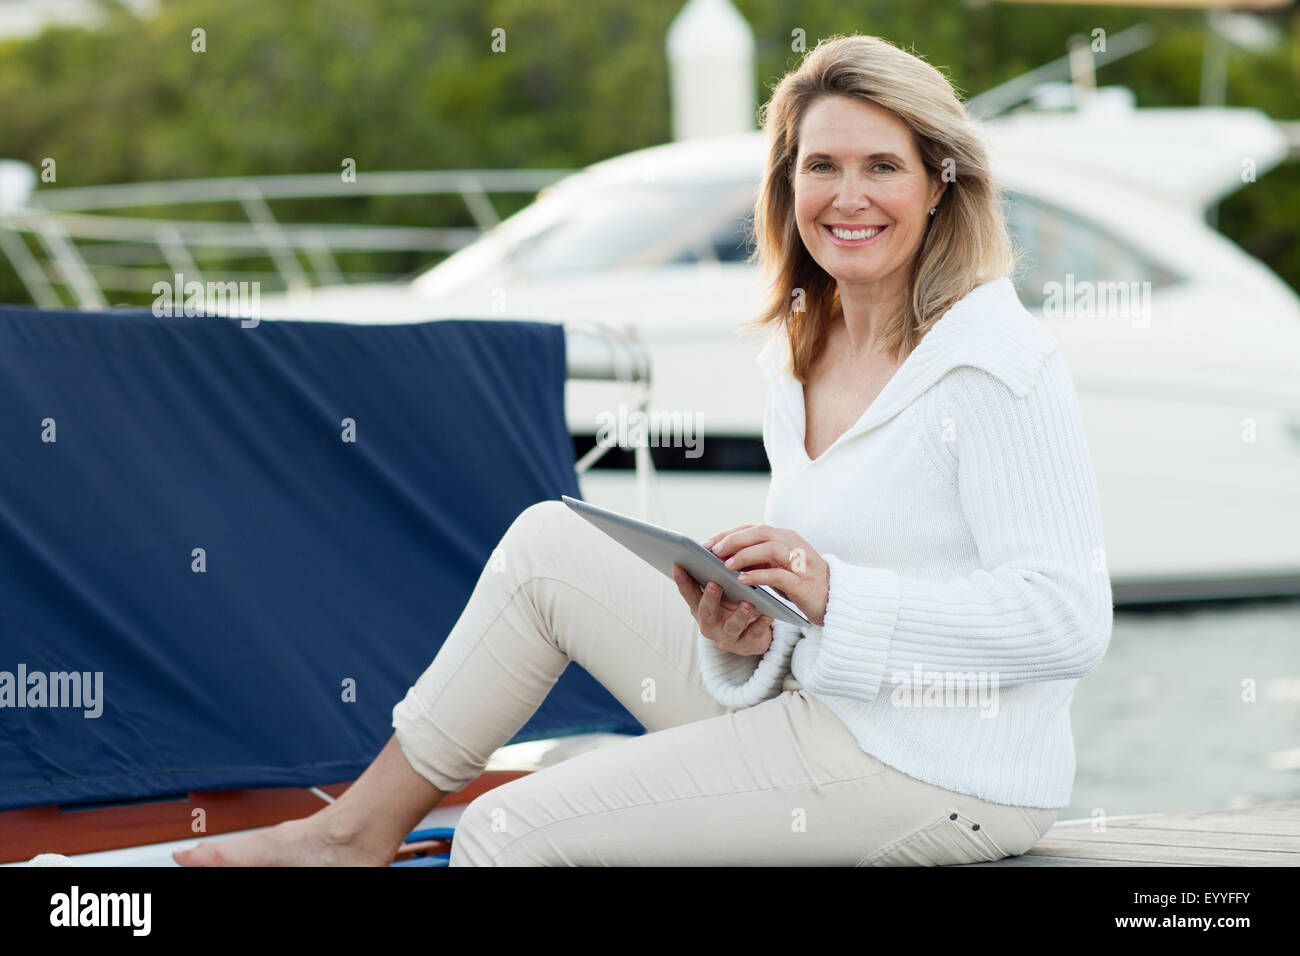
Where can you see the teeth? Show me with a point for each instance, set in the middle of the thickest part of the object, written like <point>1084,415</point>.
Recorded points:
<point>855,234</point>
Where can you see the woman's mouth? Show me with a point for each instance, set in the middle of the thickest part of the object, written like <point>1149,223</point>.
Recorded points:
<point>860,237</point>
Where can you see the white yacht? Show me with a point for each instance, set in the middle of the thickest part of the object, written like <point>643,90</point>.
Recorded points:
<point>1190,394</point>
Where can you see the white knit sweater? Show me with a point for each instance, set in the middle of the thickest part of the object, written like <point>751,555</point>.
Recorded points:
<point>968,582</point>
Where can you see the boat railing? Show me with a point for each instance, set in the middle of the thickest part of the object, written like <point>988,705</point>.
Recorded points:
<point>598,352</point>
<point>87,245</point>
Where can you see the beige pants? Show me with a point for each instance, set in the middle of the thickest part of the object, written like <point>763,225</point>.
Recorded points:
<point>783,782</point>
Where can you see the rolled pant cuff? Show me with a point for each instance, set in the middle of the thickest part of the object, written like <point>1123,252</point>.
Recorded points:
<point>419,737</point>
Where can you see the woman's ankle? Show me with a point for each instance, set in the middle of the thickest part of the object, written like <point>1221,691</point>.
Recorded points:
<point>338,825</point>
<point>342,827</point>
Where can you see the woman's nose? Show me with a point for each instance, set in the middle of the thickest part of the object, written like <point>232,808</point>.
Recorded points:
<point>851,193</point>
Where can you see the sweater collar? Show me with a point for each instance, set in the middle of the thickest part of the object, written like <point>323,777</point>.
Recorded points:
<point>988,328</point>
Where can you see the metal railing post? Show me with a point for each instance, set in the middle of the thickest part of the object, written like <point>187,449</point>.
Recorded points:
<point>278,246</point>
<point>76,274</point>
<point>30,273</point>
<point>480,206</point>
<point>322,261</point>
<point>172,245</point>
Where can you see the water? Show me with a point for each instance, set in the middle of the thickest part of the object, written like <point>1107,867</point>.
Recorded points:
<point>1161,724</point>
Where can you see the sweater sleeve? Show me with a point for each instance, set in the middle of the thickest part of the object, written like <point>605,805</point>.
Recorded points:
<point>739,680</point>
<point>1040,607</point>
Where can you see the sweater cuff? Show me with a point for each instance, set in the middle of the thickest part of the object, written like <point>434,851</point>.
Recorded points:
<point>737,681</point>
<point>861,615</point>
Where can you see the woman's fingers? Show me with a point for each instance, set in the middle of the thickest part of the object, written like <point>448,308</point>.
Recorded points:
<point>693,593</point>
<point>756,638</point>
<point>739,628</point>
<point>688,588</point>
<point>747,631</point>
<point>710,542</point>
<point>708,608</point>
<point>768,554</point>
<point>738,621</point>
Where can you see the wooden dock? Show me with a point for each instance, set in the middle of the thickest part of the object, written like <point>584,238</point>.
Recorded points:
<point>1265,834</point>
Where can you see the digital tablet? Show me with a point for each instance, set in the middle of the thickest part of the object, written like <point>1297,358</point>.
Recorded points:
<point>661,549</point>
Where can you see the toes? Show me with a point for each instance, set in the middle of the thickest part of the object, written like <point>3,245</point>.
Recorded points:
<point>205,854</point>
<point>184,857</point>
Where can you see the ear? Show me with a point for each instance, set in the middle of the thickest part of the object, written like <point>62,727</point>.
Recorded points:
<point>938,188</point>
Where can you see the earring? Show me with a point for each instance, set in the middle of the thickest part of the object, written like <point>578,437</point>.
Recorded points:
<point>932,210</point>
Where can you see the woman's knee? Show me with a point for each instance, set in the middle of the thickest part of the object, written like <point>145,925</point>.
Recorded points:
<point>518,546</point>
<point>475,843</point>
<point>488,828</point>
<point>532,520</point>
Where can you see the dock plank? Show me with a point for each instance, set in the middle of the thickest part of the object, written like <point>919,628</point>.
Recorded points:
<point>1175,837</point>
<point>1030,859</point>
<point>1148,853</point>
<point>1266,834</point>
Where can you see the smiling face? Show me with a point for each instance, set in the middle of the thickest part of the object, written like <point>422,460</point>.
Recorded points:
<point>858,170</point>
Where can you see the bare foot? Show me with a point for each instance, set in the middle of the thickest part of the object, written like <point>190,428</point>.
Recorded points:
<point>318,840</point>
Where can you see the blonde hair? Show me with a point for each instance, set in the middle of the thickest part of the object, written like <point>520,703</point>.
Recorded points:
<point>966,241</point>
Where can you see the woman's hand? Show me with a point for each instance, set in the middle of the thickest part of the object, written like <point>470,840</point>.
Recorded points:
<point>780,559</point>
<point>738,629</point>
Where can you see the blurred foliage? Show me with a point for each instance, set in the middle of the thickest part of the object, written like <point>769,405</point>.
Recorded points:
<point>296,86</point>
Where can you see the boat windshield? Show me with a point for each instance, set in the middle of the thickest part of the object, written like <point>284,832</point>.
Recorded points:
<point>575,230</point>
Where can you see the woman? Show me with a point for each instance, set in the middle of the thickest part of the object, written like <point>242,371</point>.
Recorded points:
<point>926,444</point>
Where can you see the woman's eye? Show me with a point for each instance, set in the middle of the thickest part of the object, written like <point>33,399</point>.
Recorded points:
<point>888,167</point>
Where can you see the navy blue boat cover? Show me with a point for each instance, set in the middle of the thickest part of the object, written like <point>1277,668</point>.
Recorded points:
<point>129,441</point>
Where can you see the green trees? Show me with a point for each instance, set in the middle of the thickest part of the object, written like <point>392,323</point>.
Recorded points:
<point>298,85</point>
